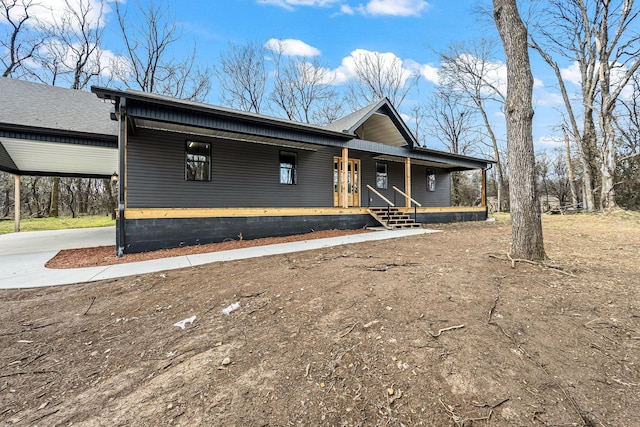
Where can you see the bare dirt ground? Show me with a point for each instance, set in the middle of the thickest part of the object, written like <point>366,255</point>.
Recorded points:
<point>430,330</point>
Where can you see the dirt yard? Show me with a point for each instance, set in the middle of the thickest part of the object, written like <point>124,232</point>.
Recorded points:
<point>434,330</point>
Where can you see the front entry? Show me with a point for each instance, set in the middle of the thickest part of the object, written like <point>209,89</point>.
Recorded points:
<point>353,181</point>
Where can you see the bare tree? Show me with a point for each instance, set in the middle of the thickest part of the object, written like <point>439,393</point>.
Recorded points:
<point>379,75</point>
<point>302,87</point>
<point>242,75</point>
<point>149,34</point>
<point>470,70</point>
<point>628,165</point>
<point>72,52</point>
<point>451,121</point>
<point>598,35</point>
<point>20,43</point>
<point>526,235</point>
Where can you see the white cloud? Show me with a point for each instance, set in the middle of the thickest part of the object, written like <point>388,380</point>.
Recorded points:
<point>394,7</point>
<point>550,141</point>
<point>290,4</point>
<point>430,73</point>
<point>50,12</point>
<point>546,99</point>
<point>572,74</point>
<point>347,69</point>
<point>292,47</point>
<point>347,10</point>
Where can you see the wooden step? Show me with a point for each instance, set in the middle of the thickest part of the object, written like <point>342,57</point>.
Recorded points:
<point>392,218</point>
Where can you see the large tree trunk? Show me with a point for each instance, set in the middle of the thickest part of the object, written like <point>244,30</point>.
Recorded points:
<point>526,221</point>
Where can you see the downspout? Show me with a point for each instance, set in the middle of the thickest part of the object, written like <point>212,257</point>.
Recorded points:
<point>121,108</point>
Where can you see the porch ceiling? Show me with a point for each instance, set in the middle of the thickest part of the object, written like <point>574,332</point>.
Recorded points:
<point>418,162</point>
<point>60,159</point>
<point>216,133</point>
<point>380,128</point>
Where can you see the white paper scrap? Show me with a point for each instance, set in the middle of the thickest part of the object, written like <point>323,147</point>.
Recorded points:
<point>181,324</point>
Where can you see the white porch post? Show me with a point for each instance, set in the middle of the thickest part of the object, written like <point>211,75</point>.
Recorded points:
<point>17,203</point>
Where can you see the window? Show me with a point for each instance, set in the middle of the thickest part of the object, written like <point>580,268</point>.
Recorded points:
<point>381,175</point>
<point>288,163</point>
<point>198,161</point>
<point>431,180</point>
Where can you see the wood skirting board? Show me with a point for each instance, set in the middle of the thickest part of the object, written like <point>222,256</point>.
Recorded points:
<point>157,213</point>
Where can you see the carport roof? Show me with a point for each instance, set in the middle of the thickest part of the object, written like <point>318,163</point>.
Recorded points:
<point>48,130</point>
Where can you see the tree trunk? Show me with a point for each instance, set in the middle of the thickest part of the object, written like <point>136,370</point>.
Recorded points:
<point>55,197</point>
<point>567,160</point>
<point>526,231</point>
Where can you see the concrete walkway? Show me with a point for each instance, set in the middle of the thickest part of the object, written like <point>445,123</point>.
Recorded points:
<point>23,255</point>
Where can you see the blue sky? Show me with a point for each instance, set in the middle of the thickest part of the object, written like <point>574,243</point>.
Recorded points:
<point>334,29</point>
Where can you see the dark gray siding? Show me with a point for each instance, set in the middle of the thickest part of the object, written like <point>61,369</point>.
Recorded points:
<point>243,175</point>
<point>247,175</point>
<point>441,197</point>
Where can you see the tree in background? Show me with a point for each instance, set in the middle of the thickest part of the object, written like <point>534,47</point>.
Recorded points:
<point>470,70</point>
<point>452,122</point>
<point>598,36</point>
<point>20,43</point>
<point>148,33</point>
<point>526,235</point>
<point>242,75</point>
<point>628,165</point>
<point>377,76</point>
<point>302,88</point>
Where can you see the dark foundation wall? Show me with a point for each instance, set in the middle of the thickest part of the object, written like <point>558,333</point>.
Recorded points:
<point>144,235</point>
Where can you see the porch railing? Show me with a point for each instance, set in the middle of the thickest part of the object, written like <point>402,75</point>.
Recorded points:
<point>415,202</point>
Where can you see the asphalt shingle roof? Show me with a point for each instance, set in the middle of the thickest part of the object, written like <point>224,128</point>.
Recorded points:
<point>40,106</point>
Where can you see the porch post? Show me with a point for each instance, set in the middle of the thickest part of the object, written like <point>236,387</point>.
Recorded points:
<point>16,226</point>
<point>483,190</point>
<point>407,181</point>
<point>344,180</point>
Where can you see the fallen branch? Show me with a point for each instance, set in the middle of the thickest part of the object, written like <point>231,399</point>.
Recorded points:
<point>440,331</point>
<point>349,331</point>
<point>93,299</point>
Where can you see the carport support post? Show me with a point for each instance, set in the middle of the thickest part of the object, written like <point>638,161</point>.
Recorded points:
<point>16,227</point>
<point>483,190</point>
<point>122,144</point>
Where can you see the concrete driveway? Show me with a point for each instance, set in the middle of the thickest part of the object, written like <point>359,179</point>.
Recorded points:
<point>23,255</point>
<point>56,240</point>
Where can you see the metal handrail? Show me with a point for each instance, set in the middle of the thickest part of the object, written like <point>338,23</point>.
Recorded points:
<point>415,202</point>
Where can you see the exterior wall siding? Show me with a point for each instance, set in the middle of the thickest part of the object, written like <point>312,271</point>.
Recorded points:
<point>242,174</point>
<point>247,175</point>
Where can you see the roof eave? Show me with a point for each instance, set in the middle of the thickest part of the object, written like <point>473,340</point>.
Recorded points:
<point>105,93</point>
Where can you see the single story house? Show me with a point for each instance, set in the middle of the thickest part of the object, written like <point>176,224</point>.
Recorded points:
<point>191,173</point>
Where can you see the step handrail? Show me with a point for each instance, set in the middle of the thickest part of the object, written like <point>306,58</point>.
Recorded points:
<point>415,202</point>
<point>407,196</point>
<point>387,201</point>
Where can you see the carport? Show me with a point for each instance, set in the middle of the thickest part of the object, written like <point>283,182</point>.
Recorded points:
<point>52,131</point>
